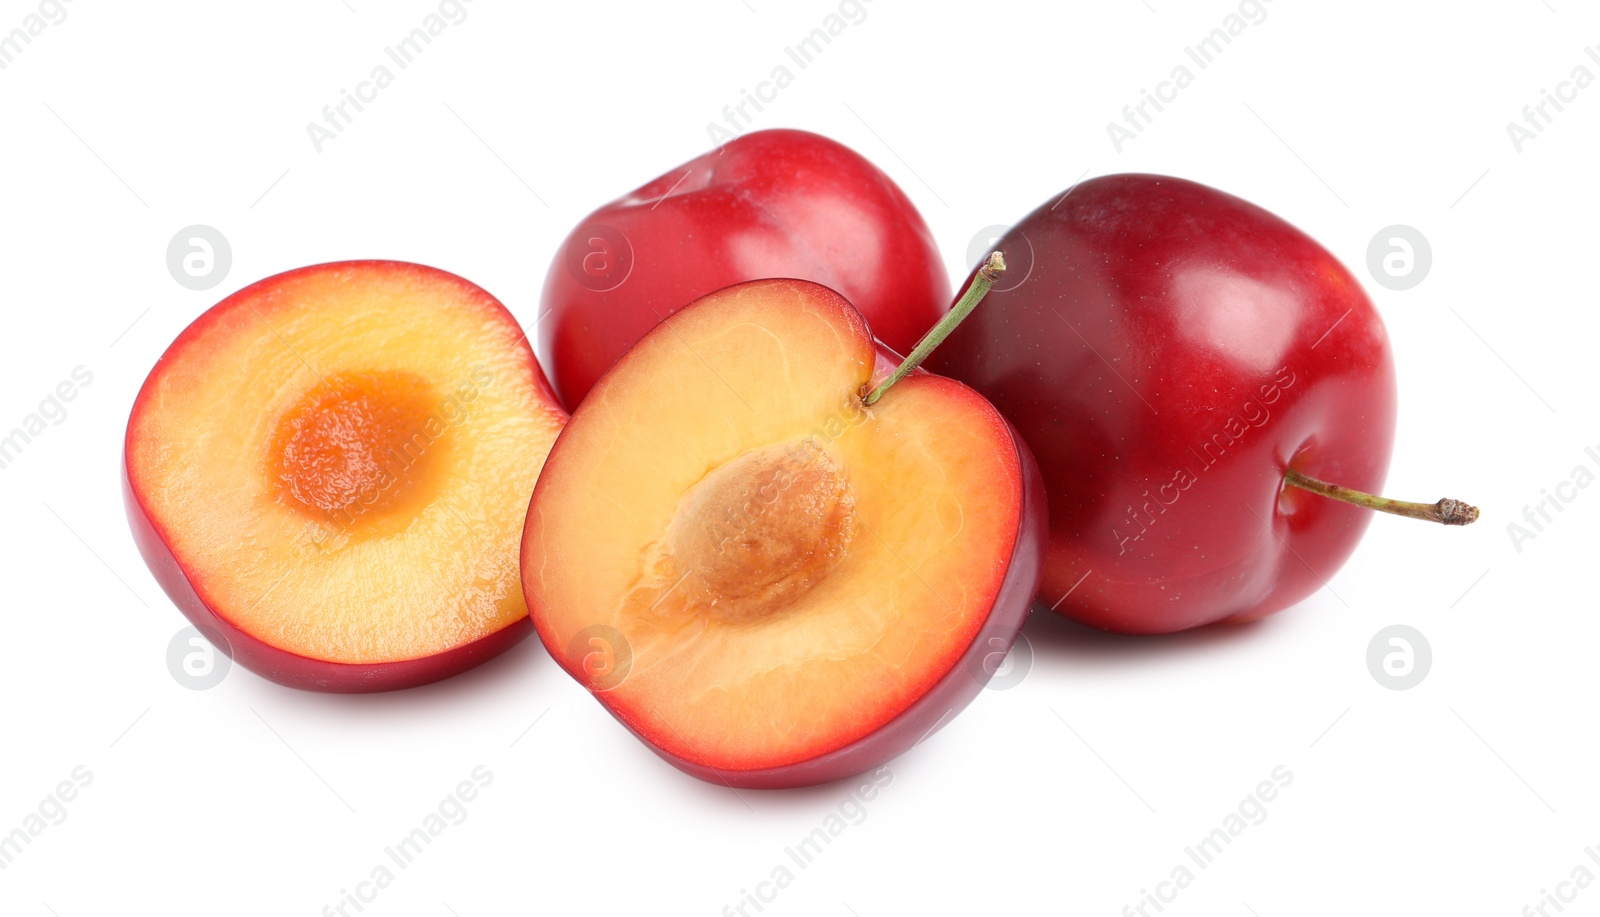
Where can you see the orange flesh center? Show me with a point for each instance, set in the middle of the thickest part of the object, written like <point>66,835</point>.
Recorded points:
<point>358,445</point>
<point>754,535</point>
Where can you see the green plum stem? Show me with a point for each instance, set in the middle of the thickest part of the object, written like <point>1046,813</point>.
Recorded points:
<point>1445,512</point>
<point>988,274</point>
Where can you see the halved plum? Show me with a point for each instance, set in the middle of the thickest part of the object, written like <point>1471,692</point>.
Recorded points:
<point>784,584</point>
<point>326,471</point>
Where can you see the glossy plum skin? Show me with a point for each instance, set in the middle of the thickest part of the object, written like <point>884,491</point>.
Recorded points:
<point>775,203</point>
<point>1168,351</point>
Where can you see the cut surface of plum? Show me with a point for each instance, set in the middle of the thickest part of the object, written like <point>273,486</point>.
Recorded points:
<point>327,472</point>
<point>790,571</point>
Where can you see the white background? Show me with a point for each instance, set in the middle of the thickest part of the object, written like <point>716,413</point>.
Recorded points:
<point>1066,794</point>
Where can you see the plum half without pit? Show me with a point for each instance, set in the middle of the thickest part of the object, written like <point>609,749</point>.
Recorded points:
<point>327,473</point>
